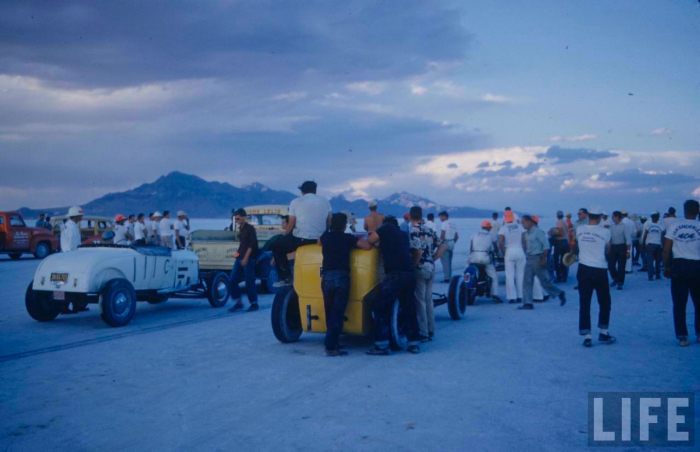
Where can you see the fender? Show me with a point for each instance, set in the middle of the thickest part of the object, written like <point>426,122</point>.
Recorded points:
<point>105,275</point>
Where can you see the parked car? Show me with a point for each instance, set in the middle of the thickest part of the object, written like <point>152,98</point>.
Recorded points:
<point>91,228</point>
<point>300,308</point>
<point>16,238</point>
<point>216,249</point>
<point>116,277</point>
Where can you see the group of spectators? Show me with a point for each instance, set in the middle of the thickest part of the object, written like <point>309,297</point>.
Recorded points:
<point>602,247</point>
<point>156,229</point>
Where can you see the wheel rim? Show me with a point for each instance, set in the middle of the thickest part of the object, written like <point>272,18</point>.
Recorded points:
<point>221,289</point>
<point>121,303</point>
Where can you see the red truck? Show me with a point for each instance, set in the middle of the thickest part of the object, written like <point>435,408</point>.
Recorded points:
<point>16,238</point>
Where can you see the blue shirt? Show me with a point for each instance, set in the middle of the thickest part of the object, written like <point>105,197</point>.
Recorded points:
<point>395,249</point>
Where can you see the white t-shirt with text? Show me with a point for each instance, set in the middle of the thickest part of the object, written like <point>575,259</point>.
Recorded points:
<point>513,234</point>
<point>686,239</point>
<point>591,245</point>
<point>653,231</point>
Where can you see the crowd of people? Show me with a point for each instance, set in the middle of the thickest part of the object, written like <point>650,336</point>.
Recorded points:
<point>535,261</point>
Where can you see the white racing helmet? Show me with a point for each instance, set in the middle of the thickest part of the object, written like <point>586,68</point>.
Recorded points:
<point>75,211</point>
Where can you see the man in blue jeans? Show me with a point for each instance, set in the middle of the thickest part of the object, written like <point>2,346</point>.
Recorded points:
<point>246,256</point>
<point>399,283</point>
<point>335,281</point>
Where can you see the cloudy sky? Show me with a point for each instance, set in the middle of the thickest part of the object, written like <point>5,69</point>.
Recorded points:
<point>539,105</point>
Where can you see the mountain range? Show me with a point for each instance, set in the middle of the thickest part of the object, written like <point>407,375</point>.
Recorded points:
<point>204,199</point>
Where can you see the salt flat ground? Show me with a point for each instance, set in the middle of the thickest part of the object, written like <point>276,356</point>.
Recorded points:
<point>184,376</point>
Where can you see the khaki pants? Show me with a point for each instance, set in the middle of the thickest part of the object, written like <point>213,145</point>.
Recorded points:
<point>167,240</point>
<point>424,301</point>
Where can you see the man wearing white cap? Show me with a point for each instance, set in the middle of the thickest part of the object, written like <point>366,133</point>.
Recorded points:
<point>592,244</point>
<point>154,228</point>
<point>181,229</point>
<point>374,219</point>
<point>70,233</point>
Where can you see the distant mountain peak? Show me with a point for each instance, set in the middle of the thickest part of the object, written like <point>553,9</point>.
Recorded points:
<point>256,186</point>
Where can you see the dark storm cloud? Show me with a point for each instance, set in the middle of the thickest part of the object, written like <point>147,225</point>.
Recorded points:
<point>87,43</point>
<point>569,155</point>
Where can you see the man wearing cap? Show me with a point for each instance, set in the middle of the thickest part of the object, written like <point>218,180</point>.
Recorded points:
<point>181,229</point>
<point>683,243</point>
<point>244,265</point>
<point>560,234</point>
<point>480,246</point>
<point>621,243</point>
<point>537,249</point>
<point>309,217</point>
<point>122,236</point>
<point>424,249</point>
<point>511,239</point>
<point>592,244</point>
<point>374,219</point>
<point>155,228</point>
<point>70,233</point>
<point>448,237</point>
<point>652,242</point>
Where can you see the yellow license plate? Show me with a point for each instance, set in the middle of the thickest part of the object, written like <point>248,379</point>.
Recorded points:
<point>59,277</point>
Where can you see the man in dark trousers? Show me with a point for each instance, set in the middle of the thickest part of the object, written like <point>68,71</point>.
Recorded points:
<point>683,241</point>
<point>619,250</point>
<point>335,281</point>
<point>592,244</point>
<point>399,282</point>
<point>244,265</point>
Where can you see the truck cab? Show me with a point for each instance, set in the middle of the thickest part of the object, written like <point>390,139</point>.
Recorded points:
<point>16,238</point>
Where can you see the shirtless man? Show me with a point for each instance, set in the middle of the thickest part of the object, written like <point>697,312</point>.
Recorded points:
<point>374,219</point>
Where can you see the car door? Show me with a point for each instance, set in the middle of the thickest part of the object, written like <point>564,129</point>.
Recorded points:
<point>18,234</point>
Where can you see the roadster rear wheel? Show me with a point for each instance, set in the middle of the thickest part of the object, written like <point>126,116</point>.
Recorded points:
<point>40,305</point>
<point>118,302</point>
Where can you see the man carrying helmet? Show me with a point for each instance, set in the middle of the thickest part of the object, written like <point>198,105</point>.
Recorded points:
<point>122,236</point>
<point>70,233</point>
<point>480,247</point>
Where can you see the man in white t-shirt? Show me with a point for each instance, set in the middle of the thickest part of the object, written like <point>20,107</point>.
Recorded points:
<point>181,229</point>
<point>140,230</point>
<point>683,240</point>
<point>480,247</point>
<point>593,243</point>
<point>652,241</point>
<point>165,230</point>
<point>154,228</point>
<point>511,238</point>
<point>449,237</point>
<point>309,217</point>
<point>130,223</point>
<point>670,218</point>
<point>121,231</point>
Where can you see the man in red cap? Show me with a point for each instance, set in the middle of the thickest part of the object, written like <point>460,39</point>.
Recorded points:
<point>121,231</point>
<point>480,248</point>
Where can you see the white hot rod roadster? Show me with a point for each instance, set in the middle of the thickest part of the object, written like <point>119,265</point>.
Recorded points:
<point>117,276</point>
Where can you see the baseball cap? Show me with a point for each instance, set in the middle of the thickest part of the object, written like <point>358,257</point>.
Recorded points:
<point>535,218</point>
<point>181,213</point>
<point>624,212</point>
<point>486,224</point>
<point>595,210</point>
<point>373,203</point>
<point>656,212</point>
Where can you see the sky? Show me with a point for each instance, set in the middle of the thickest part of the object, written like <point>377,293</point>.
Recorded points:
<point>542,105</point>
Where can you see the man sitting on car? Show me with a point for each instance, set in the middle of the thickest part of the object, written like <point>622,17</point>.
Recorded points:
<point>309,216</point>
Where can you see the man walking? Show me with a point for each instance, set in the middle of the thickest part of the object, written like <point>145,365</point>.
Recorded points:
<point>448,237</point>
<point>424,250</point>
<point>511,239</point>
<point>653,234</point>
<point>480,247</point>
<point>560,234</point>
<point>244,265</point>
<point>619,250</point>
<point>683,240</point>
<point>374,219</point>
<point>309,216</point>
<point>593,243</point>
<point>537,249</point>
<point>399,282</point>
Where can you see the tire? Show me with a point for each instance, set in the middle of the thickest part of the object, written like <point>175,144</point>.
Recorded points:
<point>218,290</point>
<point>42,250</point>
<point>397,339</point>
<point>471,297</point>
<point>118,303</point>
<point>271,279</point>
<point>40,306</point>
<point>286,319</point>
<point>457,299</point>
<point>15,256</point>
<point>157,299</point>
